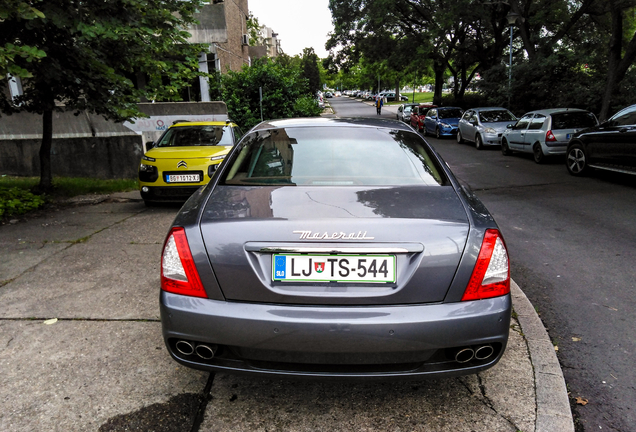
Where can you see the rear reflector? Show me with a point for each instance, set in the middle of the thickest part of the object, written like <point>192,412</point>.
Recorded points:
<point>491,275</point>
<point>178,272</point>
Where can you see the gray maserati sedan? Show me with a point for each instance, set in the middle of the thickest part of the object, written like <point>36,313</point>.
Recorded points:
<point>335,248</point>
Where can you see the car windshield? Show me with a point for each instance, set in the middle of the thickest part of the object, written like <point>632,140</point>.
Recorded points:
<point>573,120</point>
<point>496,116</point>
<point>338,156</point>
<point>205,135</point>
<point>449,113</point>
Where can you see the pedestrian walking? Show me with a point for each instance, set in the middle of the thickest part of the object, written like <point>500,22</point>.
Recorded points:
<point>379,101</point>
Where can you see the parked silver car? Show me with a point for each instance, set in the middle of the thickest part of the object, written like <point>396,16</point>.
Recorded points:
<point>484,126</point>
<point>404,112</point>
<point>545,132</point>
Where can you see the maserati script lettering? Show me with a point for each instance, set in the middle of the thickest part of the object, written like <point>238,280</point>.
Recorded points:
<point>308,235</point>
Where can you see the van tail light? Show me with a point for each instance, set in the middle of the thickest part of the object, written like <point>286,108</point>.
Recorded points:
<point>491,275</point>
<point>179,274</point>
<point>549,136</point>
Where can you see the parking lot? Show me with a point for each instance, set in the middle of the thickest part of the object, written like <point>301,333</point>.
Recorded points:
<point>82,349</point>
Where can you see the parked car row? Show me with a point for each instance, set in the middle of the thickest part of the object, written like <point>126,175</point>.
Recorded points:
<point>572,132</point>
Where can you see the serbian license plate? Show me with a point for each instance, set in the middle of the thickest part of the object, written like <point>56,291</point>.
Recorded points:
<point>333,268</point>
<point>183,178</point>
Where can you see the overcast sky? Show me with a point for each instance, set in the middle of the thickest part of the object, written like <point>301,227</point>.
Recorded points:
<point>299,23</point>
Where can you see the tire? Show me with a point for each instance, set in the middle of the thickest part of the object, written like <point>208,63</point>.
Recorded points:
<point>479,144</point>
<point>505,150</point>
<point>460,139</point>
<point>576,161</point>
<point>438,135</point>
<point>537,152</point>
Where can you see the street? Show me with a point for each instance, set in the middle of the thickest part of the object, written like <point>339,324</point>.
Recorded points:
<point>572,244</point>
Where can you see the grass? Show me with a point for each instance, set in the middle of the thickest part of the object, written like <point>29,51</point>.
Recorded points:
<point>419,98</point>
<point>16,197</point>
<point>70,187</point>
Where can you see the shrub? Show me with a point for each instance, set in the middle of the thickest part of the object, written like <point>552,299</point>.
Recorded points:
<point>285,93</point>
<point>15,201</point>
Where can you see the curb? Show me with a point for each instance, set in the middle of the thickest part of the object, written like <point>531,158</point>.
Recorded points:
<point>553,405</point>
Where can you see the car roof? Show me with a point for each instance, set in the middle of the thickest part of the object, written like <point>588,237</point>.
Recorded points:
<point>481,109</point>
<point>203,123</point>
<point>445,108</point>
<point>556,110</point>
<point>332,122</point>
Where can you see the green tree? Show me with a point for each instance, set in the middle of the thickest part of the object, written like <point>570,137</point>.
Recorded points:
<point>13,47</point>
<point>310,71</point>
<point>285,93</point>
<point>96,53</point>
<point>253,29</point>
<point>622,50</point>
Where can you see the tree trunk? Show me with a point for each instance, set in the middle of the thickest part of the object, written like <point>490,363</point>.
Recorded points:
<point>397,90</point>
<point>617,67</point>
<point>438,68</point>
<point>46,179</point>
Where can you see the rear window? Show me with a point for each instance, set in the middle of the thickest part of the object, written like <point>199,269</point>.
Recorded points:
<point>573,120</point>
<point>338,156</point>
<point>206,135</point>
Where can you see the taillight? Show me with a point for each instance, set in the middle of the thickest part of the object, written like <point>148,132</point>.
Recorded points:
<point>491,275</point>
<point>178,272</point>
<point>549,136</point>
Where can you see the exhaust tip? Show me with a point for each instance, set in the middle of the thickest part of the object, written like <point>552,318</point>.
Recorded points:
<point>484,352</point>
<point>464,355</point>
<point>206,352</point>
<point>184,347</point>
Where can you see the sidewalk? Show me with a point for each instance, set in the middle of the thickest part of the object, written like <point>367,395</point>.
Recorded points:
<point>103,366</point>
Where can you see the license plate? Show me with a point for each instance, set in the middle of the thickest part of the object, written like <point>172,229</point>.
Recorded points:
<point>333,268</point>
<point>568,136</point>
<point>183,178</point>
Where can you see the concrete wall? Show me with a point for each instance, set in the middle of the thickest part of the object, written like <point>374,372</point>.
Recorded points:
<point>212,26</point>
<point>93,157</point>
<point>83,146</point>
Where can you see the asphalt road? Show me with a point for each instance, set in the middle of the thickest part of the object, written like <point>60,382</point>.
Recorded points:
<point>572,244</point>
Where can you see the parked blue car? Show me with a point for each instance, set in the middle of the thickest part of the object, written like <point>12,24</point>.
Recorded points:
<point>442,122</point>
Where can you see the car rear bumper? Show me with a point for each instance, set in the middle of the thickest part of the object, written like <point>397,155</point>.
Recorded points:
<point>411,341</point>
<point>555,149</point>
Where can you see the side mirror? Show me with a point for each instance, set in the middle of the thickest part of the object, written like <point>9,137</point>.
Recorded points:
<point>510,126</point>
<point>149,145</point>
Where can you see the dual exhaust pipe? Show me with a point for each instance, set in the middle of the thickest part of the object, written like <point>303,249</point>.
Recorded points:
<point>483,352</point>
<point>206,352</point>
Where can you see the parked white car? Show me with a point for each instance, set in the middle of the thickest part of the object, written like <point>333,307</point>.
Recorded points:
<point>545,132</point>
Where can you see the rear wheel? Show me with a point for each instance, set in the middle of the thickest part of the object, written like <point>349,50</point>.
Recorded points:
<point>504,148</point>
<point>479,144</point>
<point>460,138</point>
<point>537,152</point>
<point>575,160</point>
<point>438,134</point>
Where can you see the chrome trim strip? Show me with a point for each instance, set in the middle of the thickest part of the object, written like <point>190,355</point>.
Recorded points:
<point>618,170</point>
<point>339,250</point>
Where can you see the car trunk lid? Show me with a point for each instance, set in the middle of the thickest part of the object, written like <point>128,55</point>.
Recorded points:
<point>417,233</point>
